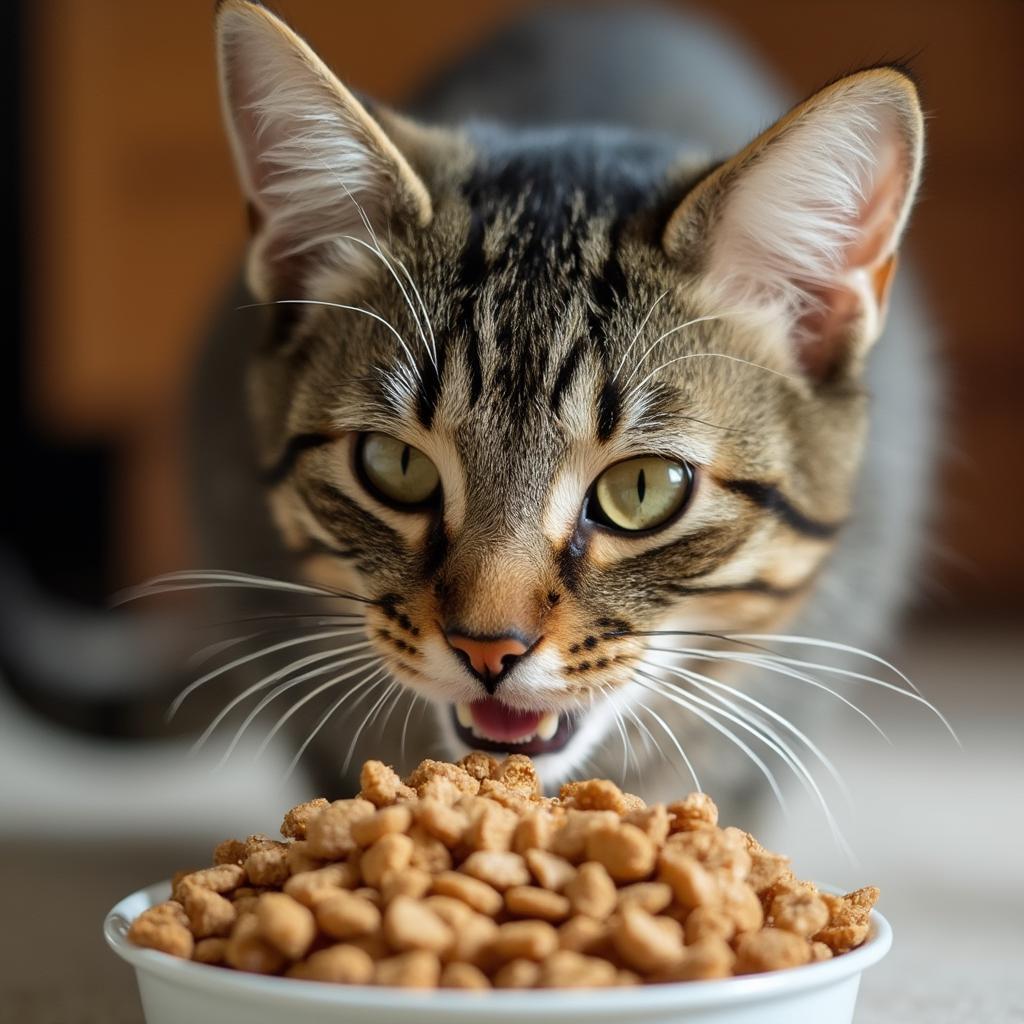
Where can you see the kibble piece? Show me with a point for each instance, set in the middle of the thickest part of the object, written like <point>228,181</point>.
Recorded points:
<point>286,924</point>
<point>582,934</point>
<point>163,927</point>
<point>692,884</point>
<point>524,940</point>
<point>223,878</point>
<point>550,870</point>
<point>510,799</point>
<point>410,924</point>
<point>329,833</point>
<point>500,869</point>
<point>429,770</point>
<point>627,853</point>
<point>696,811</point>
<point>417,969</point>
<point>490,826</point>
<point>412,882</point>
<point>300,859</point>
<point>472,941</point>
<point>566,969</point>
<point>381,784</point>
<point>800,910</point>
<point>653,821</point>
<point>460,975</point>
<point>453,912</point>
<point>211,951</point>
<point>722,852</point>
<point>247,950</point>
<point>518,774</point>
<point>704,960</point>
<point>770,949</point>
<point>472,891</point>
<point>342,964</point>
<point>209,913</point>
<point>594,795</point>
<point>297,820</point>
<point>443,822</point>
<point>532,901</point>
<point>592,891</point>
<point>345,915</point>
<point>396,818</point>
<point>268,866</point>
<point>517,974</point>
<point>309,887</point>
<point>392,852</point>
<point>570,841</point>
<point>428,852</point>
<point>653,897</point>
<point>534,831</point>
<point>480,765</point>
<point>848,919</point>
<point>647,943</point>
<point>708,923</point>
<point>231,851</point>
<point>819,951</point>
<point>741,904</point>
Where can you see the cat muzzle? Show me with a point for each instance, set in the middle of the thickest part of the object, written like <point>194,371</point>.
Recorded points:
<point>493,726</point>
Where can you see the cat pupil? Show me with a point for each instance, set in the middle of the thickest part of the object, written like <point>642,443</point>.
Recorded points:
<point>405,460</point>
<point>641,485</point>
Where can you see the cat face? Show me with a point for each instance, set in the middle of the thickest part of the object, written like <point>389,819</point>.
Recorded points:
<point>539,396</point>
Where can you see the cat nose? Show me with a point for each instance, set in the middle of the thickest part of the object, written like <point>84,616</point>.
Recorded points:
<point>489,658</point>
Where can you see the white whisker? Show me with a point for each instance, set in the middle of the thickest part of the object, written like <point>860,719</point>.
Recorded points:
<point>363,724</point>
<point>713,355</point>
<point>639,331</point>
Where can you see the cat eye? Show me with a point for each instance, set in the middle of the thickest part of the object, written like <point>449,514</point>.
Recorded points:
<point>395,472</point>
<point>640,494</point>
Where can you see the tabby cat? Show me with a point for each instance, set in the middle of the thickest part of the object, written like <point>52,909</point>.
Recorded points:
<point>552,392</point>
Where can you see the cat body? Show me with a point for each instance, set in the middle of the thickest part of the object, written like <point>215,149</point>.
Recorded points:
<point>550,274</point>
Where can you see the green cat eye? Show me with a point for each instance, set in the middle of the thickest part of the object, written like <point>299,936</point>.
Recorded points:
<point>640,494</point>
<point>395,472</point>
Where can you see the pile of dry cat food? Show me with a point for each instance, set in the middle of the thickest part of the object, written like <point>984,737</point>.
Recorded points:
<point>464,876</point>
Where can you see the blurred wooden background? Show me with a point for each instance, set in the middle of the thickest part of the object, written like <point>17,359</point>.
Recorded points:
<point>136,224</point>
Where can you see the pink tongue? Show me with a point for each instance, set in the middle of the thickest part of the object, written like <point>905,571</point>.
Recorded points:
<point>499,722</point>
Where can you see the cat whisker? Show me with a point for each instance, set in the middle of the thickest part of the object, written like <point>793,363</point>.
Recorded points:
<point>653,741</point>
<point>675,741</point>
<point>714,355</point>
<point>289,684</point>
<point>668,334</point>
<point>272,678</point>
<point>366,720</point>
<point>245,659</point>
<point>691,703</point>
<point>228,578</point>
<point>323,720</point>
<point>639,331</point>
<point>413,698</point>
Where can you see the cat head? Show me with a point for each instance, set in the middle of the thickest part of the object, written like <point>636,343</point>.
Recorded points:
<point>540,395</point>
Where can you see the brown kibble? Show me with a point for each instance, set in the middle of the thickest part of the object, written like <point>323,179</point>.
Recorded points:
<point>550,870</point>
<point>391,853</point>
<point>592,891</point>
<point>517,974</point>
<point>652,821</point>
<point>410,924</point>
<point>209,913</point>
<point>396,818</point>
<point>653,897</point>
<point>627,853</point>
<point>800,910</point>
<point>570,841</point>
<point>210,951</point>
<point>473,938</point>
<point>479,765</point>
<point>443,822</point>
<point>268,866</point>
<point>417,969</point>
<point>428,853</point>
<point>742,906</point>
<point>300,859</point>
<point>329,832</point>
<point>594,795</point>
<point>223,878</point>
<point>770,949</point>
<point>429,770</point>
<point>534,831</point>
<point>583,934</point>
<point>848,919</point>
<point>165,928</point>
<point>472,891</point>
<point>286,924</point>
<point>491,826</point>
<point>345,915</point>
<point>412,882</point>
<point>342,965</point>
<point>247,950</point>
<point>381,786</point>
<point>498,868</point>
<point>696,811</point>
<point>647,943</point>
<point>708,923</point>
<point>568,969</point>
<point>524,940</point>
<point>819,951</point>
<point>704,960</point>
<point>453,912</point>
<point>463,976</point>
<point>518,774</point>
<point>510,799</point>
<point>310,887</point>
<point>532,901</point>
<point>692,884</point>
<point>297,820</point>
<point>231,851</point>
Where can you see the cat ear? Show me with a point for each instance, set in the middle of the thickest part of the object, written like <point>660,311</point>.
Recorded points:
<point>800,229</point>
<point>311,160</point>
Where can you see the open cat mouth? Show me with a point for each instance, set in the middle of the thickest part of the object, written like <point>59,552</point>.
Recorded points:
<point>490,725</point>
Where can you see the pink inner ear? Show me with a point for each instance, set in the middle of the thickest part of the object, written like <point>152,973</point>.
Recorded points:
<point>824,331</point>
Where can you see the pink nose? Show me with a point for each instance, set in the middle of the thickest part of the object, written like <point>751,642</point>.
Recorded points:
<point>487,655</point>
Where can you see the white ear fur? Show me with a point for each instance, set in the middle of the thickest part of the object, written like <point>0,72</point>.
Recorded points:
<point>309,156</point>
<point>802,226</point>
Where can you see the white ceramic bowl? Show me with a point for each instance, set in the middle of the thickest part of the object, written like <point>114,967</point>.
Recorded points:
<point>176,991</point>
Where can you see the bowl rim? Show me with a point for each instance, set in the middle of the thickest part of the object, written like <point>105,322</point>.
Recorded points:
<point>599,1002</point>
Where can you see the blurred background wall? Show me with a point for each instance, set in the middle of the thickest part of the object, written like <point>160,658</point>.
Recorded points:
<point>132,222</point>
